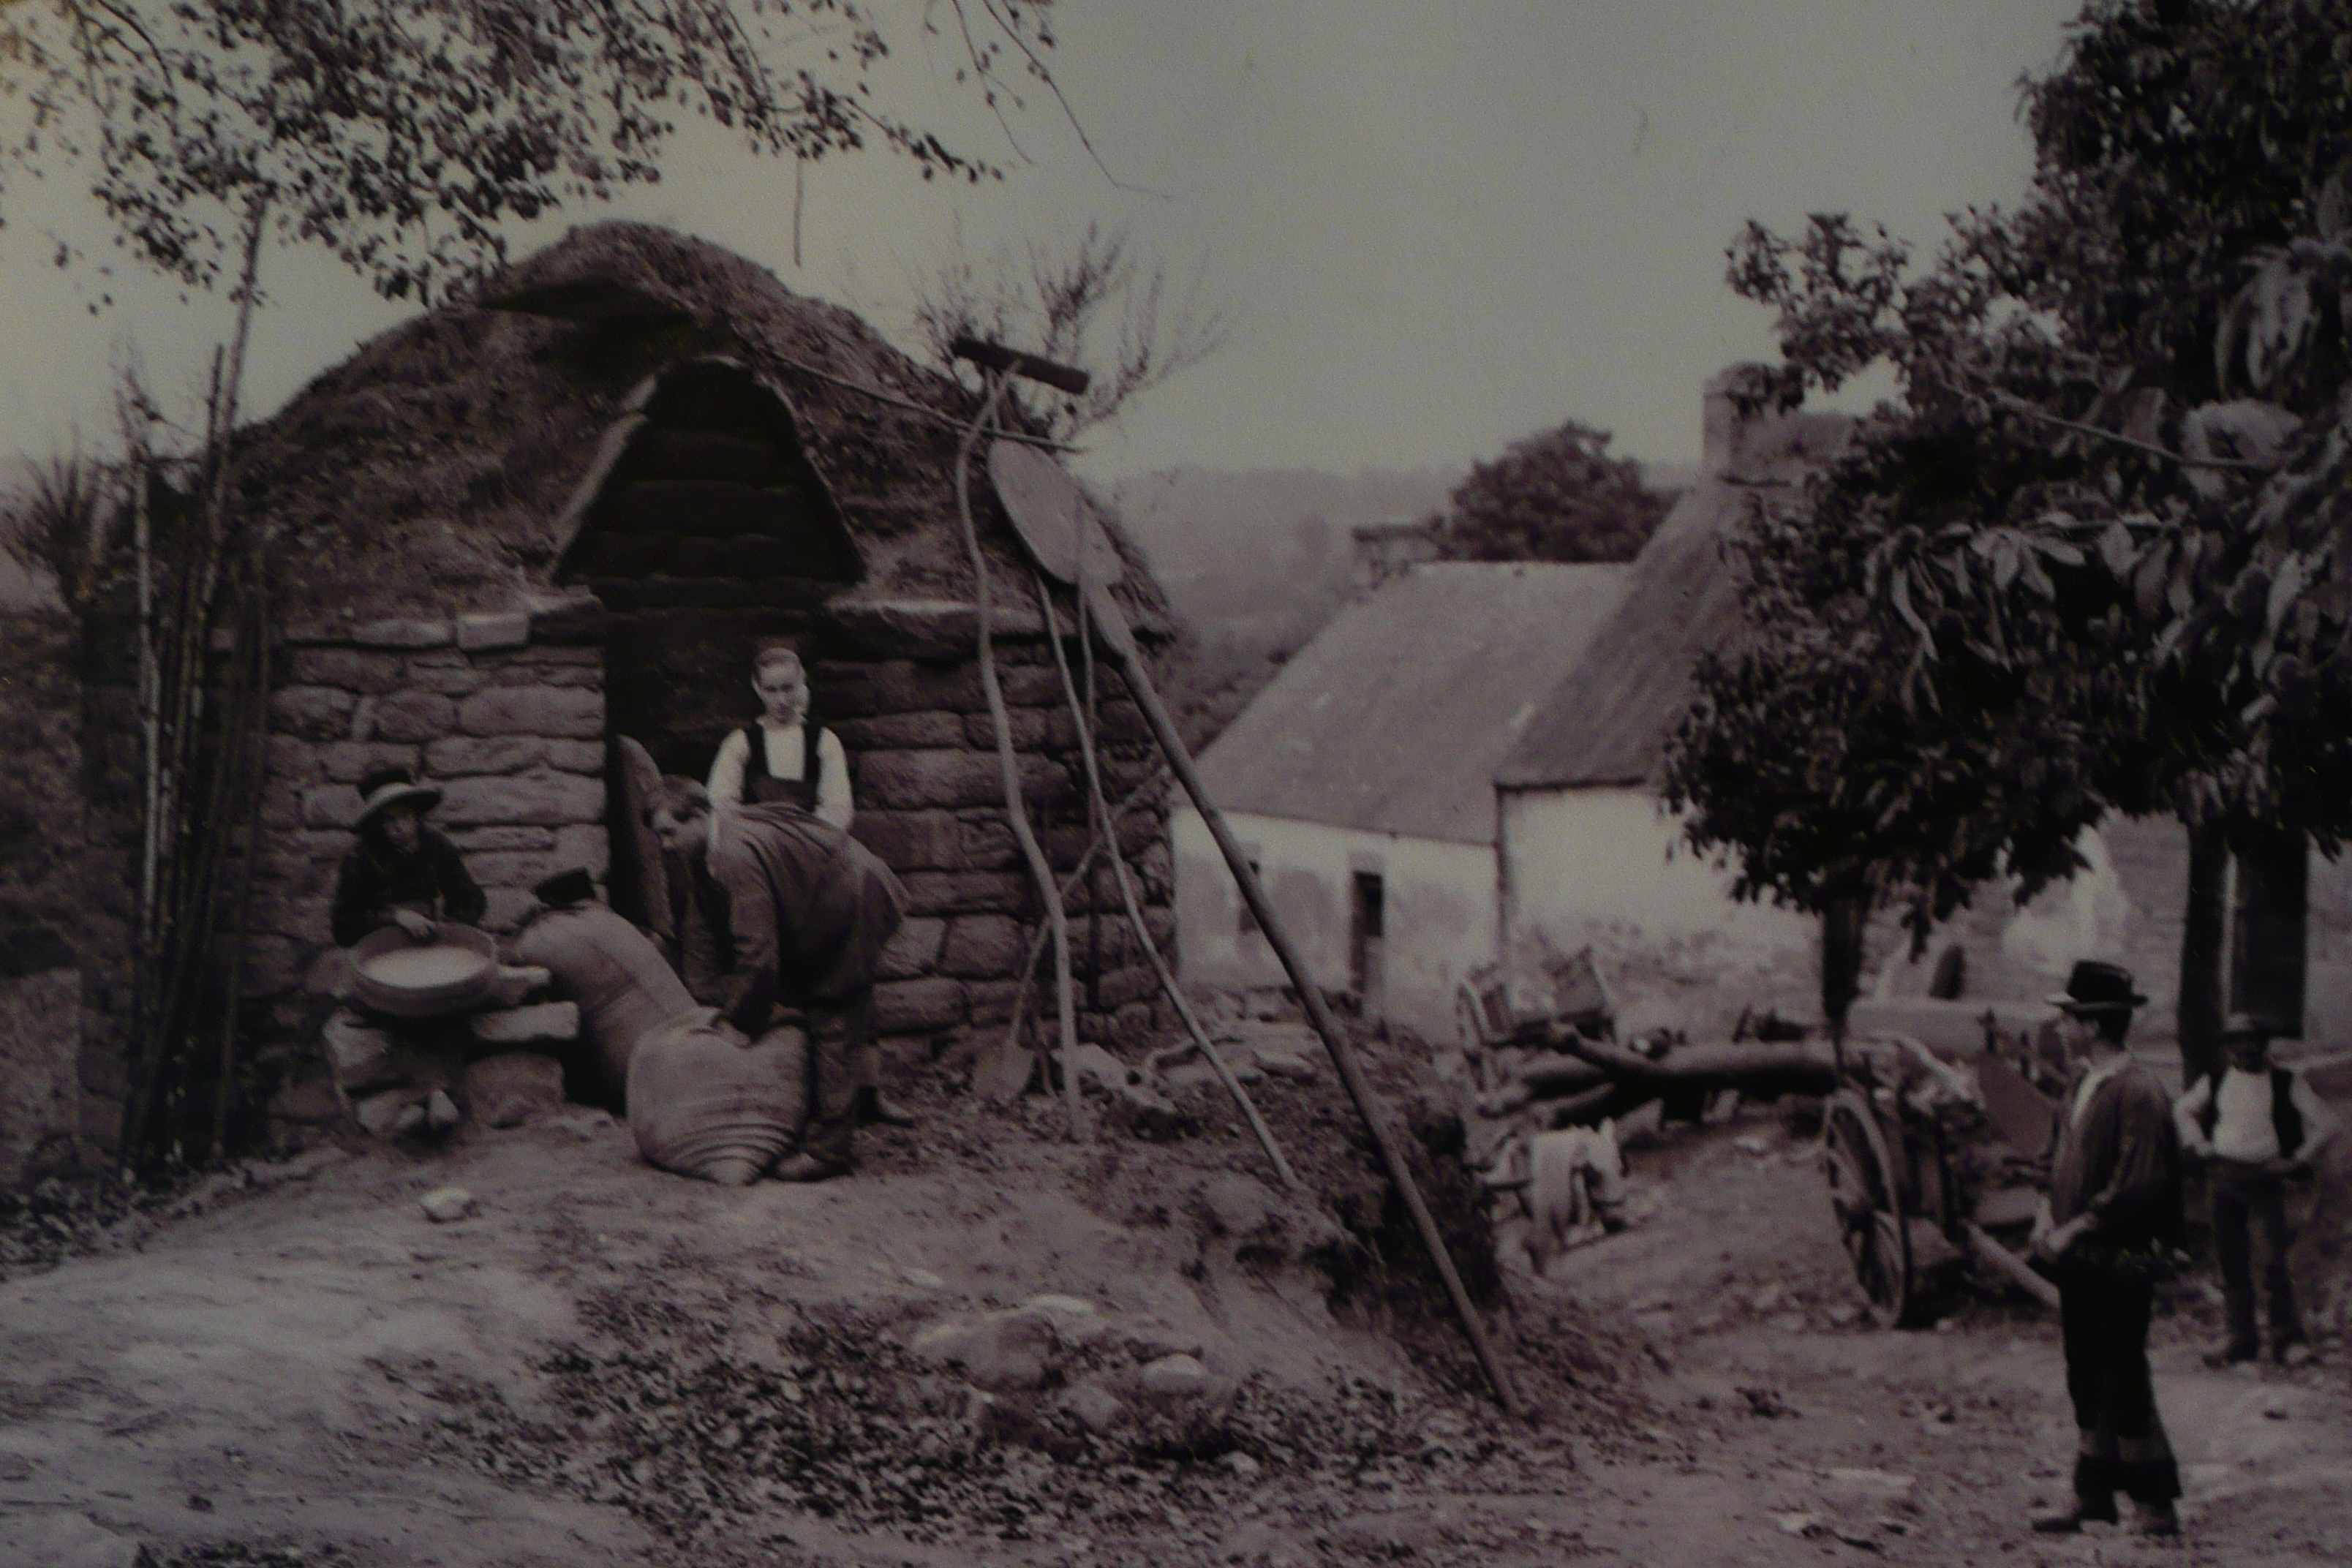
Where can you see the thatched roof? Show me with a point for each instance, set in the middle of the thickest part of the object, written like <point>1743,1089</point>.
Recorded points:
<point>1607,722</point>
<point>1394,718</point>
<point>432,471</point>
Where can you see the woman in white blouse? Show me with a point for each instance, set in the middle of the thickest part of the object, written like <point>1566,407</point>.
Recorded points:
<point>783,757</point>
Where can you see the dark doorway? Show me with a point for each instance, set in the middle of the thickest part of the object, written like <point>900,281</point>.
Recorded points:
<point>1367,932</point>
<point>2267,917</point>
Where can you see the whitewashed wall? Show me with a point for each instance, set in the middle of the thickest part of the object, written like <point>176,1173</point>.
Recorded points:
<point>1607,867</point>
<point>1441,916</point>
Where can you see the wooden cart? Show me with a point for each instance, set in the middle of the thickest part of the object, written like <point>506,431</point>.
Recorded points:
<point>1928,1164</point>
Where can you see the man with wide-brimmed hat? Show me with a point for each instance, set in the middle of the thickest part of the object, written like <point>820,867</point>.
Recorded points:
<point>402,871</point>
<point>2112,1213</point>
<point>2256,1124</point>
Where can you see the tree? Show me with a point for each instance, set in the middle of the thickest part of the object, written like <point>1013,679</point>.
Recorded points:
<point>402,135</point>
<point>1555,496</point>
<point>2092,561</point>
<point>1060,302</point>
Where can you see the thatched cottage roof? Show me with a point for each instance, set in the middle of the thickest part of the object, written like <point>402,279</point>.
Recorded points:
<point>435,470</point>
<point>1607,722</point>
<point>1394,718</point>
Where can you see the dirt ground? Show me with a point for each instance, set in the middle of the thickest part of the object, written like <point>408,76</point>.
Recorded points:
<point>605,1364</point>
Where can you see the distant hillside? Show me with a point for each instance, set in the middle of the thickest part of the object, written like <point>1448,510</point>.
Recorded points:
<point>1257,561</point>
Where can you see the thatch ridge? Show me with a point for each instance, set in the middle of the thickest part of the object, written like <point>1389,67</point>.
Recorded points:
<point>429,472</point>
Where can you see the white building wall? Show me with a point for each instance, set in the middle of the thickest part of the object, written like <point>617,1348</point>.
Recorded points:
<point>1607,867</point>
<point>1439,918</point>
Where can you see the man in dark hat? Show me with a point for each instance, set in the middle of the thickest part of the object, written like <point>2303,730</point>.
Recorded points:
<point>2114,1206</point>
<point>802,913</point>
<point>402,871</point>
<point>2256,1124</point>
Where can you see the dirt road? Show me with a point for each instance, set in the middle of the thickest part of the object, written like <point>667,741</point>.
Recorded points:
<point>605,1365</point>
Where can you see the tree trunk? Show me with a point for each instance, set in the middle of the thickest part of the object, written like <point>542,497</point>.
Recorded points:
<point>2204,942</point>
<point>1843,924</point>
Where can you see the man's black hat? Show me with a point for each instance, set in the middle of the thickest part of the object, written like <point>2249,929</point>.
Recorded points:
<point>565,888</point>
<point>2097,987</point>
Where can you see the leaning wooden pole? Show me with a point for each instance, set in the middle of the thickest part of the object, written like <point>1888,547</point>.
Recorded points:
<point>1009,765</point>
<point>1163,728</point>
<point>1134,906</point>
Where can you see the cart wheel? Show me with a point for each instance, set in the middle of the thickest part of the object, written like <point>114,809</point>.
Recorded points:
<point>1863,1194</point>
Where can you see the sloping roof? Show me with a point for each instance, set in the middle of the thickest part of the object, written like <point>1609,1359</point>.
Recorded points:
<point>1393,719</point>
<point>1607,721</point>
<point>432,470</point>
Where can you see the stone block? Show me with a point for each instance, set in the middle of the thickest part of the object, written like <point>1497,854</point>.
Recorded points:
<point>903,687</point>
<point>1135,983</point>
<point>541,799</point>
<point>549,1021</point>
<point>330,806</point>
<point>353,669</point>
<point>470,839</point>
<point>1028,727</point>
<point>953,779</point>
<point>512,869</point>
<point>304,919</point>
<point>362,1057</point>
<point>991,1001</point>
<point>312,712</point>
<point>412,716</point>
<point>914,950</point>
<point>455,756</point>
<point>513,1088</point>
<point>273,965</point>
<point>988,843</point>
<point>968,892</point>
<point>917,1006</point>
<point>900,731</point>
<point>1121,723</point>
<point>925,628</point>
<point>509,908</point>
<point>576,756</point>
<point>493,631</point>
<point>348,761</point>
<point>290,757</point>
<point>911,840</point>
<point>549,711</point>
<point>401,632</point>
<point>585,845</point>
<point>983,947</point>
<point>450,674</point>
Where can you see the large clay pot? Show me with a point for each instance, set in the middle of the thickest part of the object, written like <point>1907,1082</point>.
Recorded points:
<point>702,1105</point>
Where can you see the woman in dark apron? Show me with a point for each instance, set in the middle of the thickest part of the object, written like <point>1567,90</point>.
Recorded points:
<point>785,759</point>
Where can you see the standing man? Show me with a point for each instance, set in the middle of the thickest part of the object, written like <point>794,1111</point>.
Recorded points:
<point>2114,1206</point>
<point>800,914</point>
<point>2256,1124</point>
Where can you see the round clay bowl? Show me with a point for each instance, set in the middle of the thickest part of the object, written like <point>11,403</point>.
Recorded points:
<point>423,980</point>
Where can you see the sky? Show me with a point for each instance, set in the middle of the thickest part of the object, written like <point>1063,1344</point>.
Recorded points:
<point>1432,229</point>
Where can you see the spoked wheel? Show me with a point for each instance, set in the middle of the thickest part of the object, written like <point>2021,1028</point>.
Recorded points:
<point>1863,1196</point>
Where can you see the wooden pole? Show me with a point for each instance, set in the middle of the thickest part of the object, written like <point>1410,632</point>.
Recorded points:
<point>1134,908</point>
<point>1123,651</point>
<point>1009,765</point>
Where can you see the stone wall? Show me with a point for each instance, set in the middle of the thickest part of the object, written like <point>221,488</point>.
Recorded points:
<point>508,724</point>
<point>929,792</point>
<point>56,1103</point>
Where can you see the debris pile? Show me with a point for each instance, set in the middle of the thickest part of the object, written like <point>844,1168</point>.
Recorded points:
<point>843,1423</point>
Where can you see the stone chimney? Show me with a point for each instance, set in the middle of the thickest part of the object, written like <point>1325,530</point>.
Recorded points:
<point>1725,431</point>
<point>1386,548</point>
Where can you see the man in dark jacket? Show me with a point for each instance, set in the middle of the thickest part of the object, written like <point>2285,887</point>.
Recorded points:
<point>402,872</point>
<point>2113,1208</point>
<point>801,916</point>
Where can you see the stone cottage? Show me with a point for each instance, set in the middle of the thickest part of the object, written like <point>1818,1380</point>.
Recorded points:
<point>566,511</point>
